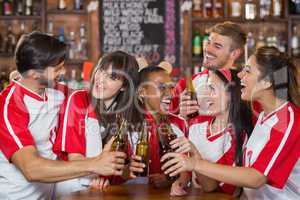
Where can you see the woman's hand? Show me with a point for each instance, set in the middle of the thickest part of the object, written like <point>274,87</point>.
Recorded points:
<point>177,163</point>
<point>184,145</point>
<point>99,183</point>
<point>136,166</point>
<point>177,189</point>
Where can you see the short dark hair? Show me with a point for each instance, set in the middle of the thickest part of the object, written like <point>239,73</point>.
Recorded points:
<point>145,72</point>
<point>38,51</point>
<point>232,30</point>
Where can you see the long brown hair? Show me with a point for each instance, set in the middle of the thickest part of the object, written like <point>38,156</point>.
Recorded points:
<point>281,71</point>
<point>124,67</point>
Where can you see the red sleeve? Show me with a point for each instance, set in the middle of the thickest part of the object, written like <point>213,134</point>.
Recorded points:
<point>71,132</point>
<point>278,158</point>
<point>180,86</point>
<point>14,121</point>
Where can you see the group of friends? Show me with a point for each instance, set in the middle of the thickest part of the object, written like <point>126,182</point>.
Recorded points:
<point>240,136</point>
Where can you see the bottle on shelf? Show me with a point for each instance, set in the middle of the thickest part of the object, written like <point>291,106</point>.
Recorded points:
<point>218,10</point>
<point>61,5</point>
<point>50,28</point>
<point>197,44</point>
<point>265,8</point>
<point>18,7</point>
<point>208,8</point>
<point>7,7</point>
<point>22,31</point>
<point>83,43</point>
<point>260,40</point>
<point>250,41</point>
<point>250,10</point>
<point>295,43</point>
<point>72,46</point>
<point>73,83</point>
<point>28,7</point>
<point>10,41</point>
<point>78,4</point>
<point>277,8</point>
<point>197,8</point>
<point>61,34</point>
<point>142,149</point>
<point>235,8</point>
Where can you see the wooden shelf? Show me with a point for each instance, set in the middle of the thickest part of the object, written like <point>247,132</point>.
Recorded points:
<point>238,20</point>
<point>6,55</point>
<point>66,12</point>
<point>295,17</point>
<point>20,17</point>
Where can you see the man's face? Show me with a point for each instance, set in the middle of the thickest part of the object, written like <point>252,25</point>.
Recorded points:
<point>51,74</point>
<point>217,52</point>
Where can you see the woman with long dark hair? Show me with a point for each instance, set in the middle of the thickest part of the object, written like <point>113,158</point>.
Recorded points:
<point>271,155</point>
<point>220,129</point>
<point>88,119</point>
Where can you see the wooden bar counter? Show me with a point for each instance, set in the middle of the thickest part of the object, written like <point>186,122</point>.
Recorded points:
<point>141,192</point>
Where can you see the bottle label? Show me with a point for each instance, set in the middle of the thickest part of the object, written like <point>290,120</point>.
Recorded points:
<point>236,9</point>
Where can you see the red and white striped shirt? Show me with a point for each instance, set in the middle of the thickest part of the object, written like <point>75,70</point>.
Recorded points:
<point>27,119</point>
<point>274,150</point>
<point>218,148</point>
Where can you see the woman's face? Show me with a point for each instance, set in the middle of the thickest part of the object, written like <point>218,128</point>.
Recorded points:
<point>106,86</point>
<point>156,92</point>
<point>214,98</point>
<point>251,85</point>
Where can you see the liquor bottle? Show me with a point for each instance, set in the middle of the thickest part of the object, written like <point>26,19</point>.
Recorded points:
<point>208,8</point>
<point>265,8</point>
<point>142,149</point>
<point>61,34</point>
<point>197,44</point>
<point>72,45</point>
<point>277,8</point>
<point>78,4</point>
<point>22,31</point>
<point>165,135</point>
<point>235,8</point>
<point>18,7</point>
<point>250,10</point>
<point>50,28</point>
<point>295,43</point>
<point>83,43</point>
<point>218,10</point>
<point>62,5</point>
<point>250,42</point>
<point>10,41</point>
<point>191,91</point>
<point>197,8</point>
<point>260,41</point>
<point>73,83</point>
<point>7,7</point>
<point>121,139</point>
<point>28,7</point>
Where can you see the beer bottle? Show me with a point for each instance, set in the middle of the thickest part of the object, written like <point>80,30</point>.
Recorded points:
<point>166,135</point>
<point>142,149</point>
<point>120,141</point>
<point>191,92</point>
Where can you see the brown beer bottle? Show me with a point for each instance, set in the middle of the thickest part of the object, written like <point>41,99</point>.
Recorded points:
<point>191,92</point>
<point>166,135</point>
<point>120,142</point>
<point>142,149</point>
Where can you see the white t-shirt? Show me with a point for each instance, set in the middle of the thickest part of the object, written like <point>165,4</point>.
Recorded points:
<point>26,119</point>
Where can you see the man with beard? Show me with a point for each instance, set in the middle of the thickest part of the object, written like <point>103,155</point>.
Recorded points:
<point>29,110</point>
<point>224,47</point>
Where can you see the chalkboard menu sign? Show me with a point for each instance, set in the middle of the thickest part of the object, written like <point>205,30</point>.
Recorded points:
<point>149,28</point>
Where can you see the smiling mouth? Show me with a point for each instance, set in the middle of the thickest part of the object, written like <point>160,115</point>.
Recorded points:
<point>210,56</point>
